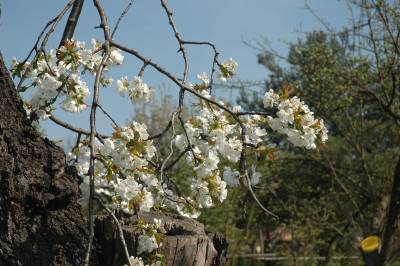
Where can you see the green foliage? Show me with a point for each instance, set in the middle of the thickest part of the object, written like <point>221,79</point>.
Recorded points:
<point>329,199</point>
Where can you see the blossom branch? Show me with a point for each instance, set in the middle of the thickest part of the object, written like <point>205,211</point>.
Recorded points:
<point>125,171</point>
<point>215,58</point>
<point>53,22</point>
<point>174,79</point>
<point>242,162</point>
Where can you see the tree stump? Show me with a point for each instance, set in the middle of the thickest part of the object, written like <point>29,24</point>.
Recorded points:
<point>40,220</point>
<point>185,242</point>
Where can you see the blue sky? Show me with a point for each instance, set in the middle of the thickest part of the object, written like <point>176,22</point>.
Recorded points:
<point>226,23</point>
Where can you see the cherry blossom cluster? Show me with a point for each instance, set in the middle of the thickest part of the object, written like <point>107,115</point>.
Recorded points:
<point>295,120</point>
<point>122,173</point>
<point>213,140</point>
<point>136,89</point>
<point>58,74</point>
<point>227,69</point>
<point>210,137</point>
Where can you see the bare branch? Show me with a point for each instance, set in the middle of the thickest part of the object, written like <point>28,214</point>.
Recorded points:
<point>74,129</point>
<point>160,135</point>
<point>72,21</point>
<point>178,38</point>
<point>108,115</point>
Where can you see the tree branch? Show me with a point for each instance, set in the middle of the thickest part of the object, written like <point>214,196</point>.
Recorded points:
<point>72,21</point>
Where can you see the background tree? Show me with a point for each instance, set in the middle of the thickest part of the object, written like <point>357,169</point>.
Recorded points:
<point>331,199</point>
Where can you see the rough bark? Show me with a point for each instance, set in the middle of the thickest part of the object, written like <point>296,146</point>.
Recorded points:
<point>40,220</point>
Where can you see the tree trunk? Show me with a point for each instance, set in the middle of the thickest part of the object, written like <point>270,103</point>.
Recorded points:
<point>390,238</point>
<point>40,220</point>
<point>390,241</point>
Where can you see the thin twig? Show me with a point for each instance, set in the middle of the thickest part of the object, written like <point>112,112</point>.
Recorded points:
<point>160,135</point>
<point>142,69</point>
<point>121,17</point>
<point>168,167</point>
<point>342,185</point>
<point>53,27</point>
<point>120,231</point>
<point>188,140</point>
<point>171,146</point>
<point>215,58</point>
<point>108,115</point>
<point>256,198</point>
<point>175,79</point>
<point>78,141</point>
<point>253,113</point>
